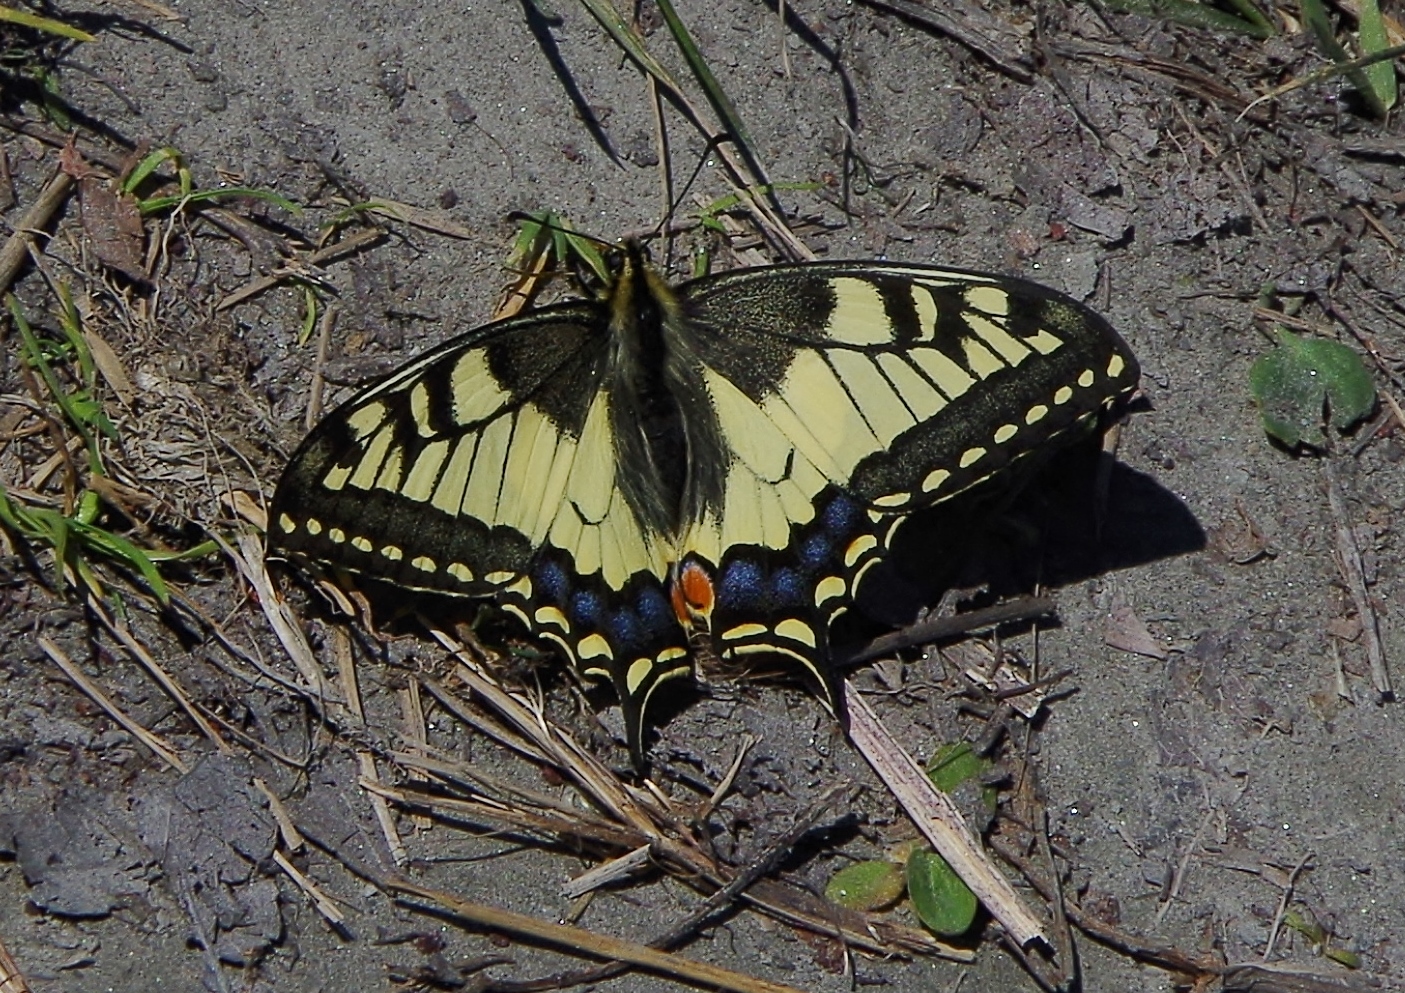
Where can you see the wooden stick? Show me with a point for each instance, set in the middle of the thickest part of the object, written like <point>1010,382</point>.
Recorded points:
<point>16,247</point>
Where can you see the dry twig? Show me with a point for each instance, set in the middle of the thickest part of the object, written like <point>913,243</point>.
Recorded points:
<point>1349,561</point>
<point>17,246</point>
<point>11,979</point>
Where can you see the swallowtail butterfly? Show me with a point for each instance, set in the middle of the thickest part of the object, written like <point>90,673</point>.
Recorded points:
<point>707,468</point>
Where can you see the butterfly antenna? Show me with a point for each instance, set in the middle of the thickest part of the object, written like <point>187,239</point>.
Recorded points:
<point>665,225</point>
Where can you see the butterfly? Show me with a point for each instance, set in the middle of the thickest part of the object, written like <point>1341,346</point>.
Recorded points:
<point>706,470</point>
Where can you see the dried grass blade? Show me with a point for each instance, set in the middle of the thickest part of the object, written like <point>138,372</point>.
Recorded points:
<point>163,751</point>
<point>1007,48</point>
<point>494,730</point>
<point>302,268</point>
<point>1354,573</point>
<point>507,794</point>
<point>739,174</point>
<point>867,932</point>
<point>601,785</point>
<point>572,827</point>
<point>365,761</point>
<point>631,863</point>
<point>583,942</point>
<point>642,819</point>
<point>153,669</point>
<point>435,221</point>
<point>11,979</point>
<point>320,900</point>
<point>249,560</point>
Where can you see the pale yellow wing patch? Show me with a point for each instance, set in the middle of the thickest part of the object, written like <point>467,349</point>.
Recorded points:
<point>769,486</point>
<point>594,521</point>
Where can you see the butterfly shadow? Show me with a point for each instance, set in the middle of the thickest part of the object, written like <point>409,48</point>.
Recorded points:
<point>1080,516</point>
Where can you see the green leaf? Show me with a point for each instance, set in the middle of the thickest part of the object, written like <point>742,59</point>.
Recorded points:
<point>943,902</point>
<point>954,764</point>
<point>866,885</point>
<point>1297,381</point>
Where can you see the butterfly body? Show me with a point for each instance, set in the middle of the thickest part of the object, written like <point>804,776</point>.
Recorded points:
<point>709,467</point>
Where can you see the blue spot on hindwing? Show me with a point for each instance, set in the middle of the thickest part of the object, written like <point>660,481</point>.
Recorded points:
<point>551,582</point>
<point>587,610</point>
<point>741,582</point>
<point>656,613</point>
<point>788,587</point>
<point>841,516</point>
<point>623,630</point>
<point>814,552</point>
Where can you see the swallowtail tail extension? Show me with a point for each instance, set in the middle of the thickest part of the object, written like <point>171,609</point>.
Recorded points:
<point>710,467</point>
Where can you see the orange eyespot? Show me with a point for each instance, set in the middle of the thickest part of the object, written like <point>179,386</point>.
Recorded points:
<point>693,595</point>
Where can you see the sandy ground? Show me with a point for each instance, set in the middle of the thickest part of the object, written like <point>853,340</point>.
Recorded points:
<point>1184,785</point>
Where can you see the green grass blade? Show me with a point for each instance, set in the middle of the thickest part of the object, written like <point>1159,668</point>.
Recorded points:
<point>1196,15</point>
<point>46,24</point>
<point>1381,76</point>
<point>1251,13</point>
<point>721,104</point>
<point>1315,14</point>
<point>72,328</point>
<point>83,400</point>
<point>527,245</point>
<point>117,547</point>
<point>545,231</point>
<point>34,355</point>
<point>200,551</point>
<point>155,204</point>
<point>13,518</point>
<point>588,251</point>
<point>561,242</point>
<point>627,38</point>
<point>148,165</point>
<point>59,531</point>
<point>309,321</point>
<point>709,214</point>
